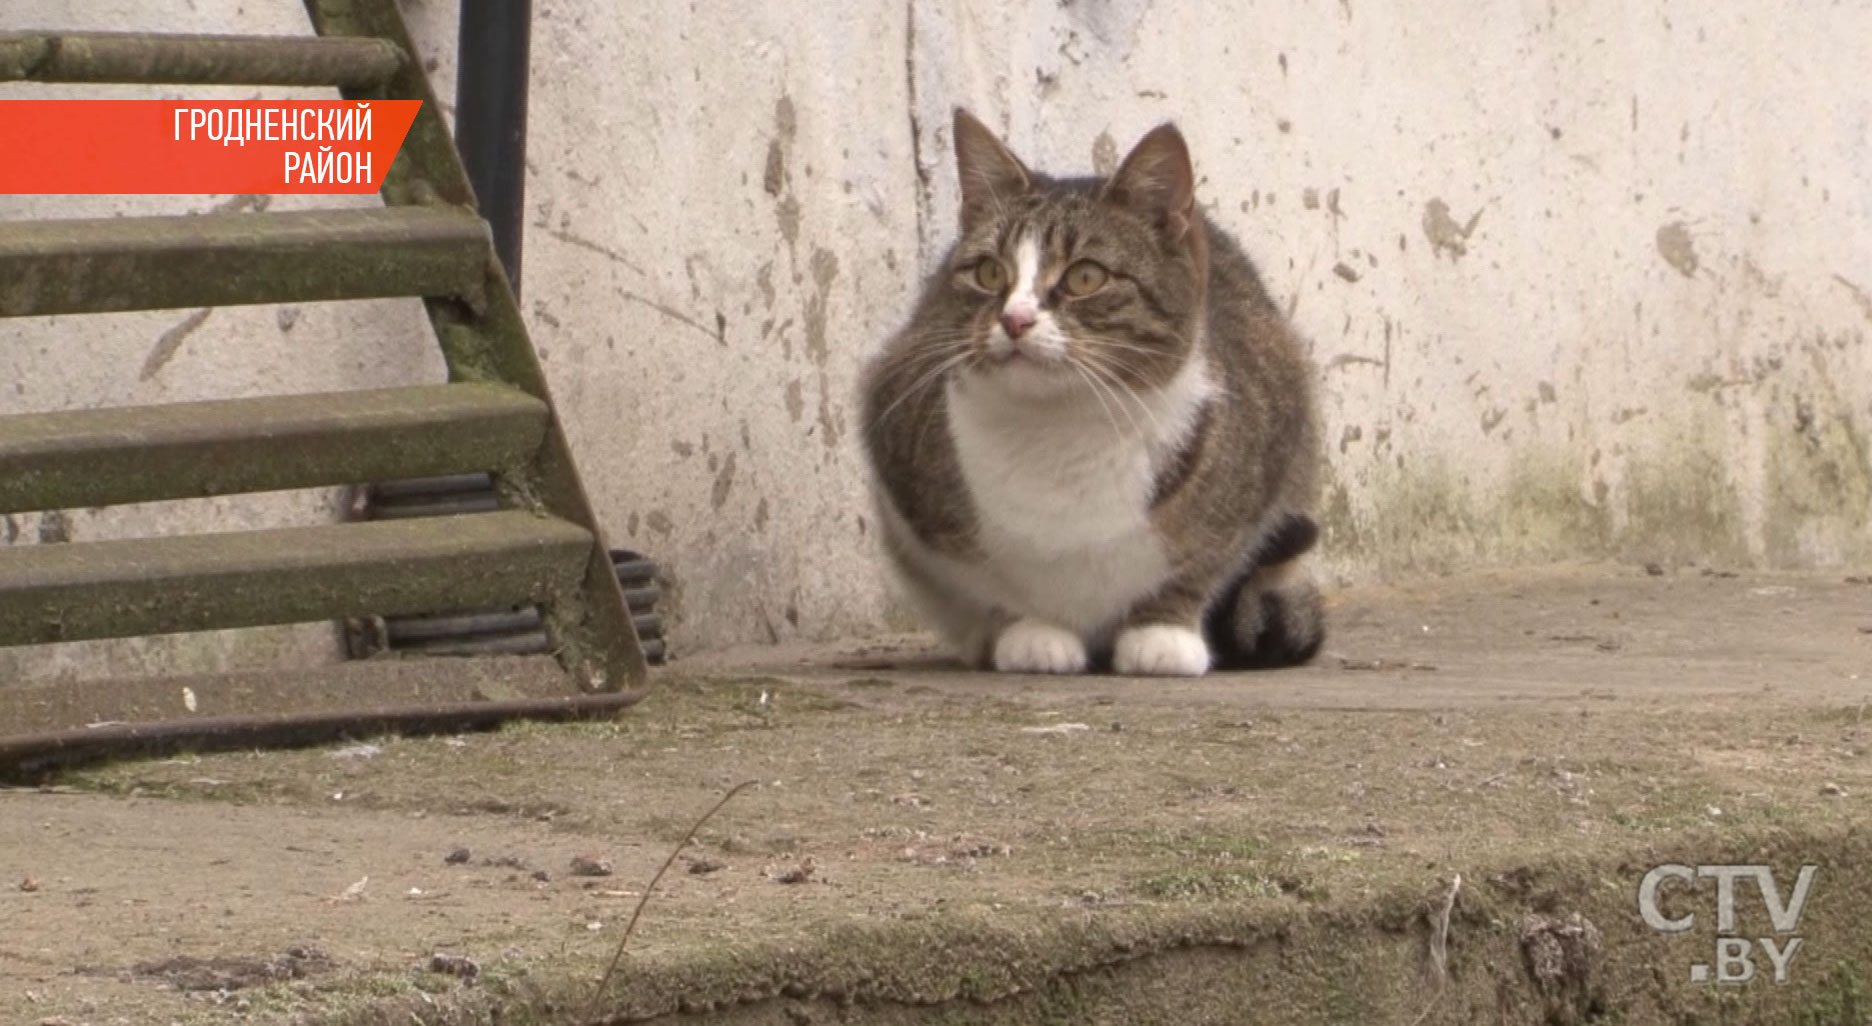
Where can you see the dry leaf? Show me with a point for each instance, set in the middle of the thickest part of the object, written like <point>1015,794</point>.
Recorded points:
<point>1057,728</point>
<point>797,874</point>
<point>355,892</point>
<point>590,865</point>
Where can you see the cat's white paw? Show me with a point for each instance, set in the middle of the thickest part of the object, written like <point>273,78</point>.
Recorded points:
<point>1160,650</point>
<point>1029,646</point>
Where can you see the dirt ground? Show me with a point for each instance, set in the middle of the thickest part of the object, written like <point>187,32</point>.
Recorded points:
<point>1445,819</point>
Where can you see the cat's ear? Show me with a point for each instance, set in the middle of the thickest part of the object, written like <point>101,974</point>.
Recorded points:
<point>1157,180</point>
<point>989,173</point>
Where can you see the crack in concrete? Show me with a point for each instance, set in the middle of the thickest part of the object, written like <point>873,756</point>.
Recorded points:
<point>671,312</point>
<point>596,247</point>
<point>1859,295</point>
<point>170,342</point>
<point>924,197</point>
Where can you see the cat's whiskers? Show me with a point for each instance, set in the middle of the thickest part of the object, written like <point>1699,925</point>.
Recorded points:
<point>940,376</point>
<point>946,358</point>
<point>938,364</point>
<point>923,426</point>
<point>1217,388</point>
<point>1112,342</point>
<point>1098,392</point>
<point>930,410</point>
<point>1140,367</point>
<point>1121,388</point>
<point>1105,342</point>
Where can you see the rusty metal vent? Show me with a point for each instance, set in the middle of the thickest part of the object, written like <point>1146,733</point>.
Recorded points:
<point>503,630</point>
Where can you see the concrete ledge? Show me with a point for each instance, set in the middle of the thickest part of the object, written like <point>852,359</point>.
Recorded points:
<point>1525,943</point>
<point>927,847</point>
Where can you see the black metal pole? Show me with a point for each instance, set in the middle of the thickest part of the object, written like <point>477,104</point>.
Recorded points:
<point>492,62</point>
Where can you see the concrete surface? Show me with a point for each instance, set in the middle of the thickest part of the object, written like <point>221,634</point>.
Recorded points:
<point>1445,820</point>
<point>1582,279</point>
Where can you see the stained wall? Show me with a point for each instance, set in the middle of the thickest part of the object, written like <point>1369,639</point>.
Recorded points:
<point>1585,280</point>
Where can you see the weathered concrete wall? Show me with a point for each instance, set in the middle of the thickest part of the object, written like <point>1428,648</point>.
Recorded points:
<point>1580,277</point>
<point>1581,280</point>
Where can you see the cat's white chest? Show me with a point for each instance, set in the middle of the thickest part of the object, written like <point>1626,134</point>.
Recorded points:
<point>1062,499</point>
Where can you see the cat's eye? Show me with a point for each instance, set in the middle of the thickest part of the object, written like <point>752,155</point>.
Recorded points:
<point>990,275</point>
<point>1084,278</point>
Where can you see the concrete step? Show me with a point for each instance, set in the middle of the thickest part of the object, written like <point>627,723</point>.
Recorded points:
<point>75,591</point>
<point>75,458</point>
<point>106,265</point>
<point>133,58</point>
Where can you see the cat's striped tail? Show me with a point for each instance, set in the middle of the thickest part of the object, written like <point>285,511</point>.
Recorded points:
<point>1272,615</point>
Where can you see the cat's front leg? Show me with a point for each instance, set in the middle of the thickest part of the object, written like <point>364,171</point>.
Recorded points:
<point>1163,637</point>
<point>1160,650</point>
<point>988,638</point>
<point>969,628</point>
<point>1033,646</point>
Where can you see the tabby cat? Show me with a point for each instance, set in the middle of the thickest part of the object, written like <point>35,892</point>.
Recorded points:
<point>1094,445</point>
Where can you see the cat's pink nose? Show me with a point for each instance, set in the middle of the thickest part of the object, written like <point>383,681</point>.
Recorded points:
<point>1017,322</point>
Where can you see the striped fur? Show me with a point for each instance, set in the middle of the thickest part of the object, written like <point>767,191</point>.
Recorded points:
<point>1094,444</point>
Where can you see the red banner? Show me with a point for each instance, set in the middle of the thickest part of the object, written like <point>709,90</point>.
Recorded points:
<point>151,147</point>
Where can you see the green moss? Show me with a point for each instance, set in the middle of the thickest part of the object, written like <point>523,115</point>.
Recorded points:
<point>1209,885</point>
<point>1680,505</point>
<point>1203,846</point>
<point>1428,517</point>
<point>1819,486</point>
<point>1545,514</point>
<point>1680,508</point>
<point>1841,999</point>
<point>1686,490</point>
<point>1419,519</point>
